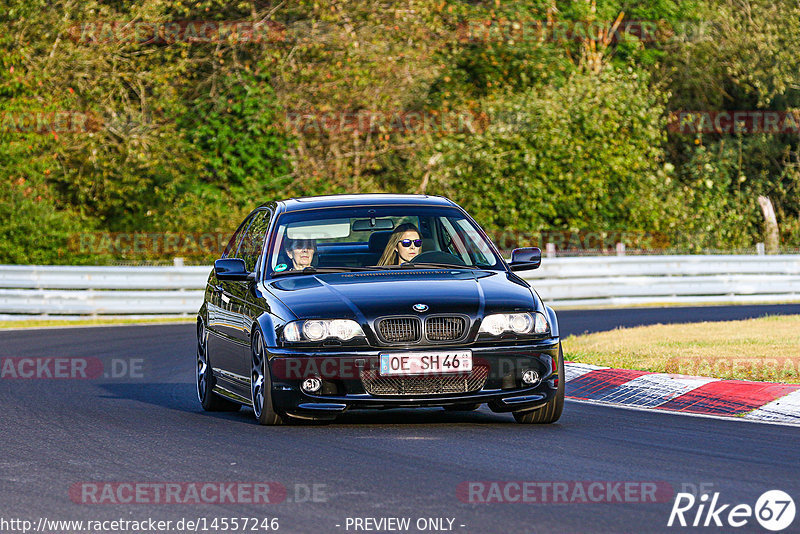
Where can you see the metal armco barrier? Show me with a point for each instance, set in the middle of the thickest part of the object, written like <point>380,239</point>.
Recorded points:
<point>590,281</point>
<point>631,280</point>
<point>58,290</point>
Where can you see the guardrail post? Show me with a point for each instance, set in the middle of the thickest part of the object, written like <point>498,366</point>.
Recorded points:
<point>771,235</point>
<point>550,250</point>
<point>620,249</point>
<point>178,262</point>
<point>760,249</point>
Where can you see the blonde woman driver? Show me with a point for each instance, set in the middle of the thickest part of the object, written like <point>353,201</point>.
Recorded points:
<point>404,245</point>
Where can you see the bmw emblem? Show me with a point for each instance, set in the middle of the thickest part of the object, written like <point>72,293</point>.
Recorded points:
<point>420,307</point>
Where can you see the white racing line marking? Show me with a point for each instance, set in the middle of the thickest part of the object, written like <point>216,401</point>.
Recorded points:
<point>654,389</point>
<point>688,414</point>
<point>574,370</point>
<point>651,390</point>
<point>783,410</point>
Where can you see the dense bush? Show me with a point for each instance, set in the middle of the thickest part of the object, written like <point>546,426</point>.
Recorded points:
<point>587,155</point>
<point>569,130</point>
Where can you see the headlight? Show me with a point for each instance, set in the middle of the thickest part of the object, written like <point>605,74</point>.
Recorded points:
<point>319,329</point>
<point>518,323</point>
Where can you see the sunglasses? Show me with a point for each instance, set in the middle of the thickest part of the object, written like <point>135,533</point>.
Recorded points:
<point>407,242</point>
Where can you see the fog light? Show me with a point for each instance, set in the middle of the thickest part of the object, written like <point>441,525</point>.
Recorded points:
<point>530,377</point>
<point>311,385</point>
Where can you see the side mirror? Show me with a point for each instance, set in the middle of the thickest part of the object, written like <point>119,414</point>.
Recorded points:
<point>231,269</point>
<point>525,259</point>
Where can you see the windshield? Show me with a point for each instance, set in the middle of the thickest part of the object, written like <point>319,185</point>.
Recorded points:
<point>379,237</point>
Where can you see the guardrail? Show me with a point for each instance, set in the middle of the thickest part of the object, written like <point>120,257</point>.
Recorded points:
<point>588,281</point>
<point>58,290</point>
<point>630,280</point>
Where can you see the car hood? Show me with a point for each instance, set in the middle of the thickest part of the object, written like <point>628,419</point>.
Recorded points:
<point>364,296</point>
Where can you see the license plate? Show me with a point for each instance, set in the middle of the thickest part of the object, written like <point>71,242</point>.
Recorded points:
<point>426,363</point>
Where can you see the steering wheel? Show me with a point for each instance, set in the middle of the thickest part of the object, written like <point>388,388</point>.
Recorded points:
<point>438,256</point>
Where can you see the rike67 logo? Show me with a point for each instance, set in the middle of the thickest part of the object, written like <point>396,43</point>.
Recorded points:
<point>774,510</point>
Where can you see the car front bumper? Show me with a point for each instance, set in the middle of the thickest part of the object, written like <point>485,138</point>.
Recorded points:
<point>345,387</point>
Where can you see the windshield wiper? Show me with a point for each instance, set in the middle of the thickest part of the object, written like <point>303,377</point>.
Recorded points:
<point>322,270</point>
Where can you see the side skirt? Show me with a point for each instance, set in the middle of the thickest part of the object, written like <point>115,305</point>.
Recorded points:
<point>235,397</point>
<point>232,386</point>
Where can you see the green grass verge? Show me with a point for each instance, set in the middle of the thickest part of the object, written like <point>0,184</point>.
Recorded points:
<point>765,349</point>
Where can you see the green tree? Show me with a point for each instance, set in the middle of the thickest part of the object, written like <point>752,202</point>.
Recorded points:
<point>585,156</point>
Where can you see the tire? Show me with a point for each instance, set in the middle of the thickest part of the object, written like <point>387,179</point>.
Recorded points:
<point>204,377</point>
<point>462,408</point>
<point>261,383</point>
<point>550,412</point>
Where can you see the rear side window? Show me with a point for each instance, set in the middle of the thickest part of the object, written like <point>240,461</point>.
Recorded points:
<point>233,243</point>
<point>253,240</point>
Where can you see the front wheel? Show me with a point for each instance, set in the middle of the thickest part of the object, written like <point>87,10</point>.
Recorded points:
<point>550,412</point>
<point>261,383</point>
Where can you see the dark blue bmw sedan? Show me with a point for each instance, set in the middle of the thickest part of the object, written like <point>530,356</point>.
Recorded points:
<point>327,304</point>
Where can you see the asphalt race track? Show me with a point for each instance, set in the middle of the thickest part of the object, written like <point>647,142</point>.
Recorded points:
<point>146,426</point>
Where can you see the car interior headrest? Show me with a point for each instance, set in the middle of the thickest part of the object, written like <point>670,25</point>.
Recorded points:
<point>378,240</point>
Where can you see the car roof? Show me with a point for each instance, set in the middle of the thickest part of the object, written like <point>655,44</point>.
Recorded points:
<point>338,201</point>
